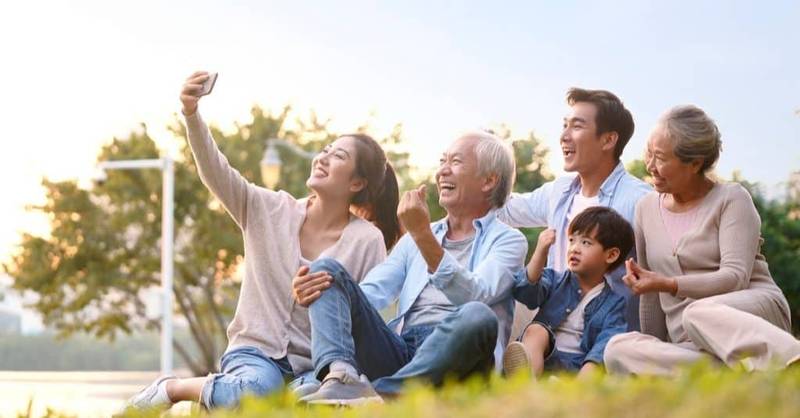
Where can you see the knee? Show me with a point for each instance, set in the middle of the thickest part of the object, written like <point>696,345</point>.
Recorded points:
<point>617,349</point>
<point>695,313</point>
<point>326,264</point>
<point>478,316</point>
<point>536,331</point>
<point>334,268</point>
<point>253,385</point>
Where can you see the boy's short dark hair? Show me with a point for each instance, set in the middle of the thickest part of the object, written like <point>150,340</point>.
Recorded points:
<point>610,230</point>
<point>612,116</point>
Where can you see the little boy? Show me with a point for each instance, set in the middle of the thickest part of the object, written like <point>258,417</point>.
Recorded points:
<point>578,311</point>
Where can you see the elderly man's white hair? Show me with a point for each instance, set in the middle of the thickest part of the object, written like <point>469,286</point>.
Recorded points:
<point>495,156</point>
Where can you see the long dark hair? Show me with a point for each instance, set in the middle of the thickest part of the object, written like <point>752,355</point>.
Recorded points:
<point>379,199</point>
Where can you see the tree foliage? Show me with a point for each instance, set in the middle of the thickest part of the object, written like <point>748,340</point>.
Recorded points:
<point>780,229</point>
<point>638,169</point>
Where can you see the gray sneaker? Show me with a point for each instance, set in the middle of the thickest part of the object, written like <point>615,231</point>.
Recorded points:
<point>340,388</point>
<point>151,397</point>
<point>516,359</point>
<point>305,389</point>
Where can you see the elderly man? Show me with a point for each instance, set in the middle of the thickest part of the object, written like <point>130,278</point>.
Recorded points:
<point>452,280</point>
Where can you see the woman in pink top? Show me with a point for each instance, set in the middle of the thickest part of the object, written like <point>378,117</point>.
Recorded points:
<point>706,291</point>
<point>269,336</point>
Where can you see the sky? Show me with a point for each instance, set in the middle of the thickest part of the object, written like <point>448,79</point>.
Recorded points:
<point>76,74</point>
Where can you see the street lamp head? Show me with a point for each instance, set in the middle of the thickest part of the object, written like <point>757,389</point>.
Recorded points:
<point>99,176</point>
<point>271,166</point>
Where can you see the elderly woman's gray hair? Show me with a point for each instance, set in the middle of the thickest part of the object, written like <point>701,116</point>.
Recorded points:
<point>495,156</point>
<point>694,135</point>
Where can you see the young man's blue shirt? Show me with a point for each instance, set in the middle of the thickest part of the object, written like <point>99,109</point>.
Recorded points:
<point>548,206</point>
<point>557,295</point>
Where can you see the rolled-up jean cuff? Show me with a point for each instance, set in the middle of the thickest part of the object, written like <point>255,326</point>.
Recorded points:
<point>208,390</point>
<point>551,338</point>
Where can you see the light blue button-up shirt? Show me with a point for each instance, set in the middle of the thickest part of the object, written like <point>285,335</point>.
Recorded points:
<point>548,206</point>
<point>498,253</point>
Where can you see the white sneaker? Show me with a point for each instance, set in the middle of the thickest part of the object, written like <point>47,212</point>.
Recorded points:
<point>516,359</point>
<point>153,396</point>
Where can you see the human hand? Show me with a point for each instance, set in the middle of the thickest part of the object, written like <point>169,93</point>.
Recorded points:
<point>642,281</point>
<point>539,257</point>
<point>307,288</point>
<point>412,211</point>
<point>546,239</point>
<point>190,92</point>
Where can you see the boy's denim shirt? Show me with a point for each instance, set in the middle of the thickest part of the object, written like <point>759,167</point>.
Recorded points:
<point>557,294</point>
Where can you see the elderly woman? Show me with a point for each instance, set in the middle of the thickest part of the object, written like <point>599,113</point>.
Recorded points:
<point>706,291</point>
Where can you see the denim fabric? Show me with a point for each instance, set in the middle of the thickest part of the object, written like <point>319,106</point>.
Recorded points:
<point>548,205</point>
<point>559,361</point>
<point>244,371</point>
<point>346,327</point>
<point>555,360</point>
<point>556,295</point>
<point>498,252</point>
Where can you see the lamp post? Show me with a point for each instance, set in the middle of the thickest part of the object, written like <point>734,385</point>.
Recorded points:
<point>271,162</point>
<point>167,168</point>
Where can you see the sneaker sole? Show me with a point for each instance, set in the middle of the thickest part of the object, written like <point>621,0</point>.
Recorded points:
<point>515,359</point>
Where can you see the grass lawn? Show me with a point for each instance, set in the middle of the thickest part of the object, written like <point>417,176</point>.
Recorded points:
<point>698,392</point>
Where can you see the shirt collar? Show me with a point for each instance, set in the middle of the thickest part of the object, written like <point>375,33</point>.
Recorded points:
<point>609,184</point>
<point>572,279</point>
<point>481,224</point>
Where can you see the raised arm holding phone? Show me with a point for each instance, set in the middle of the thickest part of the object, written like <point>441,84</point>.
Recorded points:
<point>269,336</point>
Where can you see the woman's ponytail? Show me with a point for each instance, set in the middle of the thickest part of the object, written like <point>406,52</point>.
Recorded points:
<point>378,201</point>
<point>385,208</point>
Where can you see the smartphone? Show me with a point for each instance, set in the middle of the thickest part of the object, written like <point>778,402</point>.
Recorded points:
<point>208,85</point>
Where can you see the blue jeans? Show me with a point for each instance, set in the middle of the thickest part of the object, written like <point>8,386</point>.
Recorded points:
<point>247,371</point>
<point>346,327</point>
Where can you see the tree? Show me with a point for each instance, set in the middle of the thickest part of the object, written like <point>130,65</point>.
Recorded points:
<point>638,169</point>
<point>780,229</point>
<point>532,172</point>
<point>103,253</point>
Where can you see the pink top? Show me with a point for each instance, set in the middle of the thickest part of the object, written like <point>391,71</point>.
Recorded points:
<point>677,224</point>
<point>720,253</point>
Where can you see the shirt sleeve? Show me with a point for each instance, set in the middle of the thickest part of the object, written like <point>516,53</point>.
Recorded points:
<point>491,280</point>
<point>530,294</point>
<point>224,181</point>
<point>527,210</point>
<point>739,243</point>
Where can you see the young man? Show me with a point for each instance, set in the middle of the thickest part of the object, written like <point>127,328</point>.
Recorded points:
<point>452,280</point>
<point>578,312</point>
<point>596,130</point>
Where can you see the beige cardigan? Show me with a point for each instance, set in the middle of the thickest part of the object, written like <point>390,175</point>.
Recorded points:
<point>721,253</point>
<point>266,315</point>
